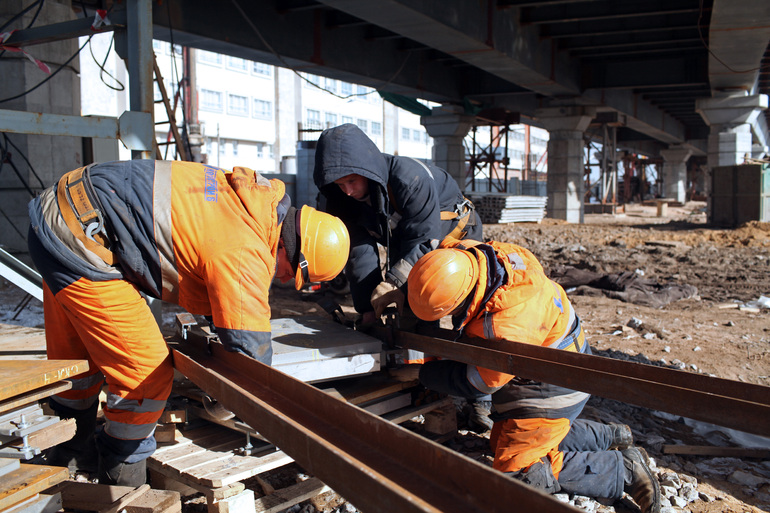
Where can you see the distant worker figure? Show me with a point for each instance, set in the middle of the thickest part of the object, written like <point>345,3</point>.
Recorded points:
<point>208,239</point>
<point>498,291</point>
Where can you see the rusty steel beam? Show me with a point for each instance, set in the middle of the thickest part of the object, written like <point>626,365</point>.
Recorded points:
<point>376,465</point>
<point>732,404</point>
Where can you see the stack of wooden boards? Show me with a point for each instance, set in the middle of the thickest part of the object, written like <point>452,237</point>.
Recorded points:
<point>26,431</point>
<point>504,208</point>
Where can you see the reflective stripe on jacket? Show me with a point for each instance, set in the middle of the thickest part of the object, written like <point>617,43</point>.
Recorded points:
<point>514,300</point>
<point>188,233</point>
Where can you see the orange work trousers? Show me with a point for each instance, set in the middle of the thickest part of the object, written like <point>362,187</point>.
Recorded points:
<point>111,325</point>
<point>519,443</point>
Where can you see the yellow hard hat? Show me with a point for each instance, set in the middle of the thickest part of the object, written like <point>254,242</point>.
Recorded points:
<point>440,281</point>
<point>324,246</point>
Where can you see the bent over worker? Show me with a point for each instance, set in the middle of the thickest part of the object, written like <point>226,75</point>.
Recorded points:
<point>498,291</point>
<point>398,202</point>
<point>208,239</point>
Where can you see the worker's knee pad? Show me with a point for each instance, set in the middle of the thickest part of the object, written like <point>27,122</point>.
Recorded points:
<point>539,475</point>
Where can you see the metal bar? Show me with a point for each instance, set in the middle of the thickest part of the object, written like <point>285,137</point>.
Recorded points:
<point>64,30</point>
<point>140,59</point>
<point>19,122</point>
<point>377,465</point>
<point>741,406</point>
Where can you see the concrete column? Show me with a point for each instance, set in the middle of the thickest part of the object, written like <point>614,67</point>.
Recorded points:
<point>565,187</point>
<point>49,156</point>
<point>448,126</point>
<point>675,172</point>
<point>730,138</point>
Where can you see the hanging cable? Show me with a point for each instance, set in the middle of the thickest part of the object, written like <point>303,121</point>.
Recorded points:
<point>8,141</point>
<point>34,18</point>
<point>49,77</point>
<point>287,66</point>
<point>103,70</point>
<point>24,11</point>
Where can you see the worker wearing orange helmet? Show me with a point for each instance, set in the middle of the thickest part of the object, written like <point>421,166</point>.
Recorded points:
<point>499,291</point>
<point>210,240</point>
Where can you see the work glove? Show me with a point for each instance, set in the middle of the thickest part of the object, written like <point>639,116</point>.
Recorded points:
<point>385,295</point>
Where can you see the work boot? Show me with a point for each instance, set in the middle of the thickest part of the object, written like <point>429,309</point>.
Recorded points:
<point>79,453</point>
<point>120,473</point>
<point>640,483</point>
<point>479,418</point>
<point>622,438</point>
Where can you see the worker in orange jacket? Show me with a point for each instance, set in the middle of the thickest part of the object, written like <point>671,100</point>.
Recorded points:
<point>499,291</point>
<point>210,240</point>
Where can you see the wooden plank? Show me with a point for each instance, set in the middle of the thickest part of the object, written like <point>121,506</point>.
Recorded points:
<point>237,469</point>
<point>156,501</point>
<point>367,388</point>
<point>399,416</point>
<point>39,503</point>
<point>709,450</point>
<point>27,481</point>
<point>110,499</point>
<point>289,496</point>
<point>20,376</point>
<point>34,396</point>
<point>51,435</point>
<point>22,343</point>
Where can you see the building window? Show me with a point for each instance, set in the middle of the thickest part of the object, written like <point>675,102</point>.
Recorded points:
<point>416,135</point>
<point>262,109</point>
<point>237,105</point>
<point>177,49</point>
<point>260,68</point>
<point>346,119</point>
<point>330,85</point>
<point>209,57</point>
<point>331,119</point>
<point>158,45</point>
<point>211,100</point>
<point>376,128</point>
<point>346,88</point>
<point>313,118</point>
<point>236,63</point>
<point>314,79</point>
<point>363,124</point>
<point>362,90</point>
<point>406,134</point>
<point>235,148</point>
<point>260,150</point>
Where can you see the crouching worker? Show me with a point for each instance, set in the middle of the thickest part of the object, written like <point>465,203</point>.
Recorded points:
<point>208,239</point>
<point>499,291</point>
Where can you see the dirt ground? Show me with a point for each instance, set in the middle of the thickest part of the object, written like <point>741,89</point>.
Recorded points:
<point>720,331</point>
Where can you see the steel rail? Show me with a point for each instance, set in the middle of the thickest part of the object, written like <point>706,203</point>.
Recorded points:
<point>732,404</point>
<point>376,465</point>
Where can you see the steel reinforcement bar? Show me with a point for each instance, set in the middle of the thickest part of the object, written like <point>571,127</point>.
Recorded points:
<point>376,465</point>
<point>732,404</point>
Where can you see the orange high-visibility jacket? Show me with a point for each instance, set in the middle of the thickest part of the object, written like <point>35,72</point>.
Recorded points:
<point>188,233</point>
<point>514,300</point>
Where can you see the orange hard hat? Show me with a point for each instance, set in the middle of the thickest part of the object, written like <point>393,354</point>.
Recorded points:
<point>324,246</point>
<point>440,281</point>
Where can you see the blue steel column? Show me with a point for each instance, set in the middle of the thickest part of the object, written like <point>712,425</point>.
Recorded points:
<point>140,56</point>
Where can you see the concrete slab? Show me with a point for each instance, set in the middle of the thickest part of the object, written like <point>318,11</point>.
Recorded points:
<point>316,349</point>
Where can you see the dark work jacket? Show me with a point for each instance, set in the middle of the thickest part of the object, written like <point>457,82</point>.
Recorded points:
<point>404,194</point>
